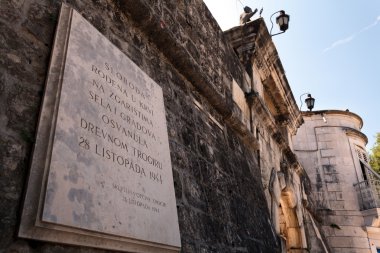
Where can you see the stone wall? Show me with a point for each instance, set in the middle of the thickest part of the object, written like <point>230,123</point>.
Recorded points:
<point>220,199</point>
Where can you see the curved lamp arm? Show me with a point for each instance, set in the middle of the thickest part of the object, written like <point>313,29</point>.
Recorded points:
<point>301,99</point>
<point>272,23</point>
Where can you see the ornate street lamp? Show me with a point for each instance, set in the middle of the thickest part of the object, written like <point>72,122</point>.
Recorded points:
<point>310,102</point>
<point>282,20</point>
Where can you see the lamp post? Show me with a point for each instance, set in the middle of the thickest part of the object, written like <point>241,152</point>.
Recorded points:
<point>282,20</point>
<point>309,101</point>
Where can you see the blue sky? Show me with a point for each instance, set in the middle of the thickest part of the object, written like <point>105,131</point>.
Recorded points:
<point>332,50</point>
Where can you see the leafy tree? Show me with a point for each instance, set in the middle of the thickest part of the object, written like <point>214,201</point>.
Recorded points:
<point>374,157</point>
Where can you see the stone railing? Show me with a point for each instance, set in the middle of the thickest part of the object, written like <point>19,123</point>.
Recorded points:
<point>369,191</point>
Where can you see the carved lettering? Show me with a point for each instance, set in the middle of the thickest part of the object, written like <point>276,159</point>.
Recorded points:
<point>101,102</point>
<point>126,81</point>
<point>147,158</point>
<point>101,133</point>
<point>109,122</point>
<point>119,159</point>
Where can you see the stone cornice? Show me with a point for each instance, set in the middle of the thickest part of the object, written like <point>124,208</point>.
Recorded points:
<point>355,133</point>
<point>326,112</point>
<point>270,68</point>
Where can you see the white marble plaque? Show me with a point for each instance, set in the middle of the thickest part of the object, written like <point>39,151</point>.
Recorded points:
<point>108,173</point>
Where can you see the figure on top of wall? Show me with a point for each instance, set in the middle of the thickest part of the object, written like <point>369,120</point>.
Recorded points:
<point>246,15</point>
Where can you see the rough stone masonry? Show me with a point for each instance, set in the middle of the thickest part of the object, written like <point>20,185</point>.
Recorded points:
<point>219,195</point>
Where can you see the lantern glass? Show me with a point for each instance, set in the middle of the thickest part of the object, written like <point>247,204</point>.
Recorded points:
<point>310,102</point>
<point>283,21</point>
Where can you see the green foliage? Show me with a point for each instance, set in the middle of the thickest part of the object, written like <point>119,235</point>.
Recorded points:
<point>374,157</point>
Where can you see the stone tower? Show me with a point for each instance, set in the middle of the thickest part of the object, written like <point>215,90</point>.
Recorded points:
<point>331,148</point>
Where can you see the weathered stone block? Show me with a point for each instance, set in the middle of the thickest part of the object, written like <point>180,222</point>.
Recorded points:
<point>331,178</point>
<point>344,220</point>
<point>350,231</point>
<point>351,250</point>
<point>334,187</point>
<point>337,205</point>
<point>344,242</point>
<point>327,152</point>
<point>329,169</point>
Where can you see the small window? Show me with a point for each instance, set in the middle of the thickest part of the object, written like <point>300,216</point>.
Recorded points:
<point>364,172</point>
<point>362,154</point>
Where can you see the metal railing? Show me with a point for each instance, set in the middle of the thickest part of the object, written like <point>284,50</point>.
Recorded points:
<point>369,190</point>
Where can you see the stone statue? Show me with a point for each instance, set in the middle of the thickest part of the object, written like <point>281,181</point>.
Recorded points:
<point>246,15</point>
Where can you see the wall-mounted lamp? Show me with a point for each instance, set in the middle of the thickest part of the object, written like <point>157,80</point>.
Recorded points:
<point>282,20</point>
<point>309,101</point>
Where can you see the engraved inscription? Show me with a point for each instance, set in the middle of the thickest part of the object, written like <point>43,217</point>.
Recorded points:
<point>101,174</point>
<point>135,126</point>
<point>110,169</point>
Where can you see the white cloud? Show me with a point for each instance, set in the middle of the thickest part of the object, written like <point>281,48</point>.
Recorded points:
<point>339,42</point>
<point>350,38</point>
<point>371,25</point>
